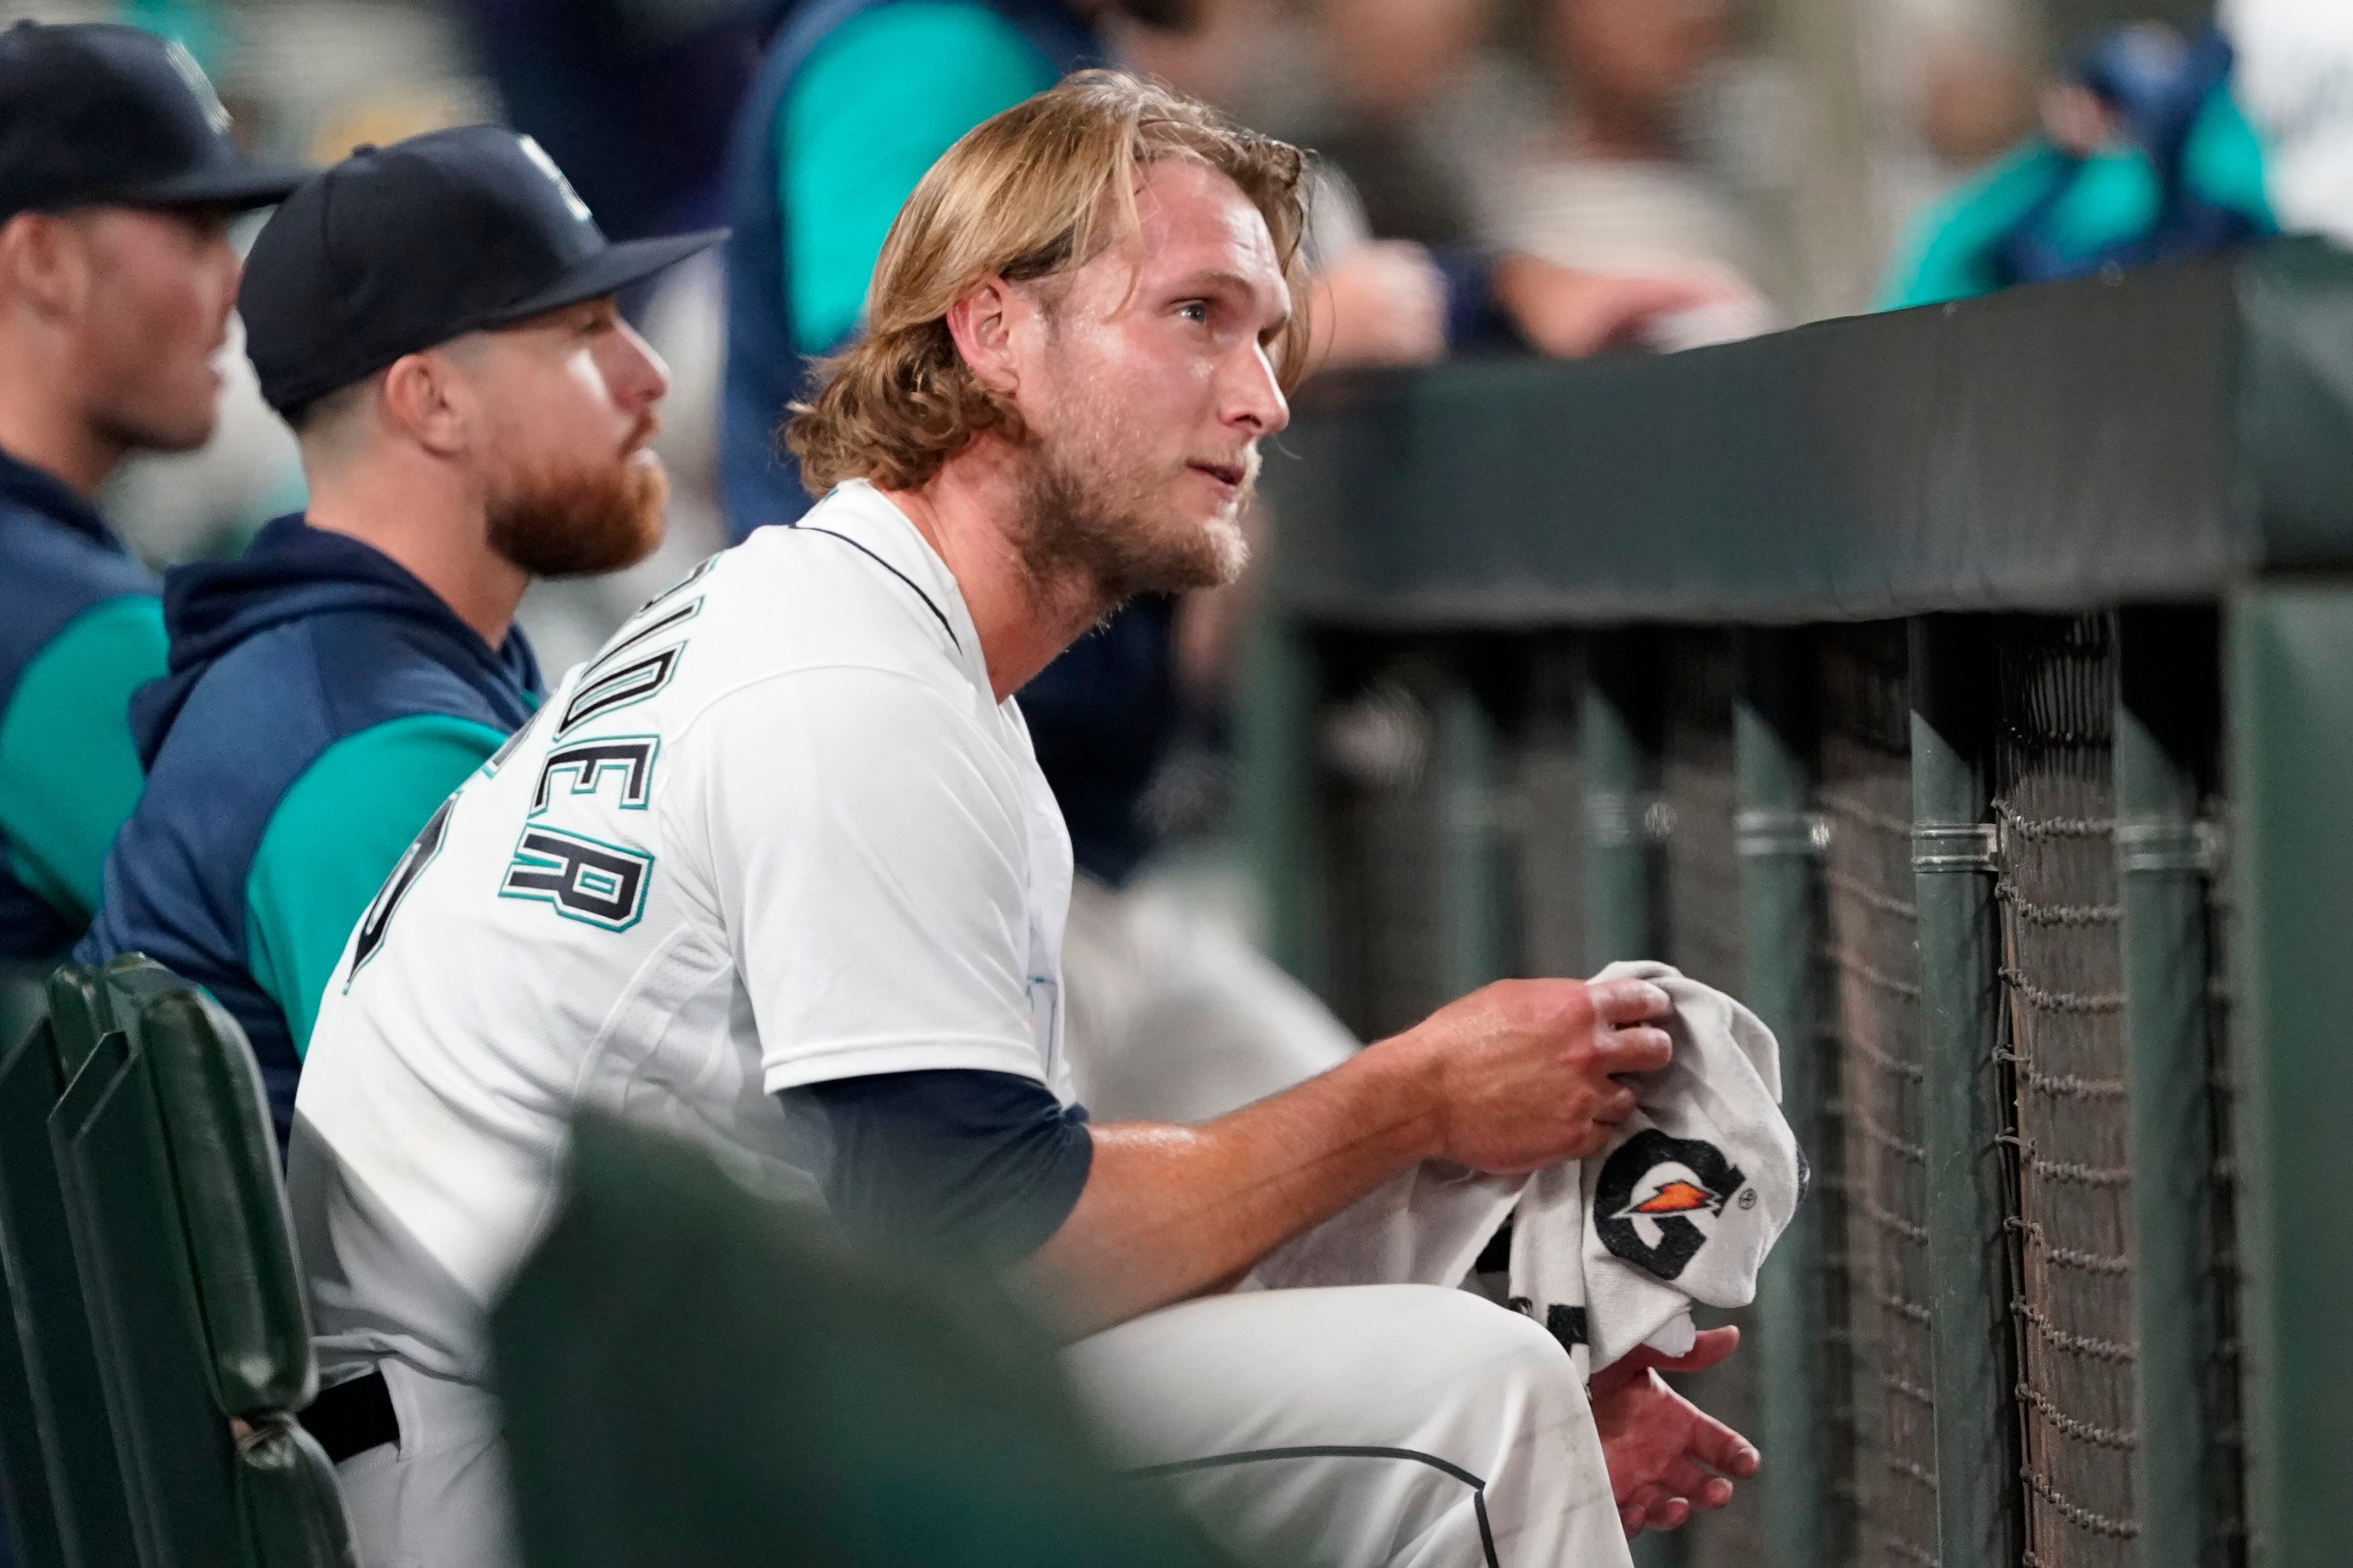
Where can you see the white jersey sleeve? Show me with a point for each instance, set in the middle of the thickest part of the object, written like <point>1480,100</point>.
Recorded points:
<point>867,849</point>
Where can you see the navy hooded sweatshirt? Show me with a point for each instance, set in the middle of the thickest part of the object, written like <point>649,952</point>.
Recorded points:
<point>321,703</point>
<point>79,631</point>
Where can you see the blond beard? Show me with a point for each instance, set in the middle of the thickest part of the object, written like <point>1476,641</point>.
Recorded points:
<point>1082,523</point>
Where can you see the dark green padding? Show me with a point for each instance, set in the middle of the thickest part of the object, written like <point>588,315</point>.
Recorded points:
<point>292,1506</point>
<point>174,1448</point>
<point>695,1375</point>
<point>181,1235</point>
<point>32,1519</point>
<point>79,1016</point>
<point>70,1508</point>
<point>223,1166</point>
<point>29,1519</point>
<point>131,980</point>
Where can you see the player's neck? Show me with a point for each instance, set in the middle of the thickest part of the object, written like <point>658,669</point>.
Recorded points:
<point>971,515</point>
<point>431,523</point>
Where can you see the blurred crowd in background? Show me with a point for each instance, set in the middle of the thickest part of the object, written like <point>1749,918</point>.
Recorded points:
<point>1810,158</point>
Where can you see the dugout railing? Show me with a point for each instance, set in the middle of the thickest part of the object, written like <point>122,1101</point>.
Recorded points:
<point>1971,689</point>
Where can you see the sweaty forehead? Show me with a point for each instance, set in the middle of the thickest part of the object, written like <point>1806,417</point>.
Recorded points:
<point>1195,219</point>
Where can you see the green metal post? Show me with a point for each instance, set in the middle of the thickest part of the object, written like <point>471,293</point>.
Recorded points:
<point>1470,892</point>
<point>1278,779</point>
<point>2289,719</point>
<point>1953,865</point>
<point>1618,731</point>
<point>1779,850</point>
<point>2165,713</point>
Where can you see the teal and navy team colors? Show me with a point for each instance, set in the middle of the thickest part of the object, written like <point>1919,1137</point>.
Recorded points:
<point>79,631</point>
<point>2184,177</point>
<point>856,100</point>
<point>321,703</point>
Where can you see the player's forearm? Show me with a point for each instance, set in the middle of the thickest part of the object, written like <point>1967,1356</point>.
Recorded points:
<point>1169,1212</point>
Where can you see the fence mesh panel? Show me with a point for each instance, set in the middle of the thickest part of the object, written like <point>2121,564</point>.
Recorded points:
<point>1382,807</point>
<point>1871,950</point>
<point>1546,785</point>
<point>1698,788</point>
<point>2061,976</point>
<point>1701,872</point>
<point>1379,826</point>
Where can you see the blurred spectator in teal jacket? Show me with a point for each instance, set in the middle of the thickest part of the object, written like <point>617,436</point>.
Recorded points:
<point>2144,155</point>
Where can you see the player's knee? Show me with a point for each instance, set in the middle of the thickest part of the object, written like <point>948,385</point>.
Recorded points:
<point>1475,1344</point>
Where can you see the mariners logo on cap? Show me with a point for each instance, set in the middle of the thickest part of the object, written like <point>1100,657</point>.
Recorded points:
<point>538,155</point>
<point>215,111</point>
<point>1658,1200</point>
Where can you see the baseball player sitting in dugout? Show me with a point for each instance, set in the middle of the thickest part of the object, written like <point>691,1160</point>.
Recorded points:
<point>119,180</point>
<point>777,870</point>
<point>436,320</point>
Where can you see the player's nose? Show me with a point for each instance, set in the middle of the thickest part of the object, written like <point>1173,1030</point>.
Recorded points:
<point>641,379</point>
<point>1254,398</point>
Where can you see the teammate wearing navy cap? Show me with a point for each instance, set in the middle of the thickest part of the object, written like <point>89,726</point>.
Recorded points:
<point>436,320</point>
<point>118,179</point>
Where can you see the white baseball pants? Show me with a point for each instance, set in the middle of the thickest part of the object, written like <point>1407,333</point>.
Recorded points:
<point>1359,1427</point>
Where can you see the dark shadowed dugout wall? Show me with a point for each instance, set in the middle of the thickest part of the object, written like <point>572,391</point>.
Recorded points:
<point>1638,657</point>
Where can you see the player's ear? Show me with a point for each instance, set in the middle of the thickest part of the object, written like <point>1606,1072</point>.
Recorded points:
<point>426,399</point>
<point>43,264</point>
<point>982,325</point>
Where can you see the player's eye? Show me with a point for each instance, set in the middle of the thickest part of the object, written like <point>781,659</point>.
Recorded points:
<point>1195,311</point>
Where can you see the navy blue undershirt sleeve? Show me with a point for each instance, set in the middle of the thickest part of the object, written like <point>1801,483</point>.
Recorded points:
<point>980,1164</point>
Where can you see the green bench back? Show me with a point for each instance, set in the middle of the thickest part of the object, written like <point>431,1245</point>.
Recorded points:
<point>179,1231</point>
<point>66,1499</point>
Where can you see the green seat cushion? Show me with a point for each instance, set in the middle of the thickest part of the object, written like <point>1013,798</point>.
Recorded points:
<point>172,1442</point>
<point>224,1164</point>
<point>66,1491</point>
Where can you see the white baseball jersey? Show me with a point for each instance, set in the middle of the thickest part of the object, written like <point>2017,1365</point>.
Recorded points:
<point>780,831</point>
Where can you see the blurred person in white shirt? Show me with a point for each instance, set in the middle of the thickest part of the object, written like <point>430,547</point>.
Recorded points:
<point>1609,184</point>
<point>2294,82</point>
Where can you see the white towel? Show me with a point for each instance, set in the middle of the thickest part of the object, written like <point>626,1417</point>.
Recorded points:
<point>1686,1200</point>
<point>1684,1204</point>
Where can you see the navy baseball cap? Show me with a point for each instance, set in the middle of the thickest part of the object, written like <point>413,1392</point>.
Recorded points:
<point>92,114</point>
<point>398,248</point>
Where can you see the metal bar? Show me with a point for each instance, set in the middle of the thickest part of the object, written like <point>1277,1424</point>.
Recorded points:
<point>2167,702</point>
<point>1624,818</point>
<point>1471,888</point>
<point>1953,865</point>
<point>2289,713</point>
<point>1781,846</point>
<point>1276,721</point>
<point>1618,730</point>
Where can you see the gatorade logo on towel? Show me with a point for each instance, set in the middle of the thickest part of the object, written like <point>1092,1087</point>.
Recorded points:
<point>1658,1198</point>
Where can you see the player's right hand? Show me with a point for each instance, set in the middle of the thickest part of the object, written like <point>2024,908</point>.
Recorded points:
<point>1525,1072</point>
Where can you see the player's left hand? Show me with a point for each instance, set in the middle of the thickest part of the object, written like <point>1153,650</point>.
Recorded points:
<point>1666,1456</point>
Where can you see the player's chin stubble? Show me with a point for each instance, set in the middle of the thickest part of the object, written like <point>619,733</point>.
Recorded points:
<point>581,522</point>
<point>1089,520</point>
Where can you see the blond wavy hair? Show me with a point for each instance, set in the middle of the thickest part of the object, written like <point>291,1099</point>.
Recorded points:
<point>1038,190</point>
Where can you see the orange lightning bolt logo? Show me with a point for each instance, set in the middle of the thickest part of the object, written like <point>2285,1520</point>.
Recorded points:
<point>1677,1197</point>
